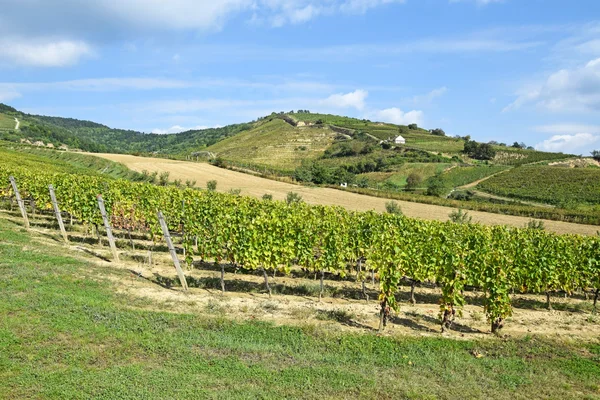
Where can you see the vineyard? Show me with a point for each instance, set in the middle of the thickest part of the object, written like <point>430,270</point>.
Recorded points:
<point>552,185</point>
<point>270,236</point>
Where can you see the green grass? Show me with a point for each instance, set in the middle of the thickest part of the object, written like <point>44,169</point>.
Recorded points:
<point>461,176</point>
<point>553,185</point>
<point>7,122</point>
<point>398,177</point>
<point>61,161</point>
<point>64,333</point>
<point>275,144</point>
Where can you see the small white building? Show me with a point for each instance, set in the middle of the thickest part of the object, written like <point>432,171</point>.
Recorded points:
<point>400,140</point>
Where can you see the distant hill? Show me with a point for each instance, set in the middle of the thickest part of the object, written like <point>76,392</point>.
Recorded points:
<point>95,137</point>
<point>317,149</point>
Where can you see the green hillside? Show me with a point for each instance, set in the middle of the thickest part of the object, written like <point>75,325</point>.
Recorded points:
<point>310,147</point>
<point>275,143</point>
<point>7,122</point>
<point>559,186</point>
<point>94,137</point>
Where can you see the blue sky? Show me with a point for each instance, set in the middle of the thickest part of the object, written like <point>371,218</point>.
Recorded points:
<point>504,70</point>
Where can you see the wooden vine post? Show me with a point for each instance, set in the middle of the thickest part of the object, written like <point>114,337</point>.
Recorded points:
<point>19,201</point>
<point>111,238</point>
<point>167,236</point>
<point>61,225</point>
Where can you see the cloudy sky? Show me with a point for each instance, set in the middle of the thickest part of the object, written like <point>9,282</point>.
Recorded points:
<point>505,70</point>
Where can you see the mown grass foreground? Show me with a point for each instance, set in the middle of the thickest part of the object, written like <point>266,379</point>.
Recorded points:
<point>64,333</point>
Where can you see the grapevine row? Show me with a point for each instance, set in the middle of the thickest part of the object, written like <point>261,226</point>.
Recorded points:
<point>268,235</point>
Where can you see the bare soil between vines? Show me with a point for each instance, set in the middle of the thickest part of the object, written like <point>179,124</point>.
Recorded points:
<point>296,302</point>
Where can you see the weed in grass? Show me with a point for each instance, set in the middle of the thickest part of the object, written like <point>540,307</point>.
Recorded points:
<point>302,313</point>
<point>477,316</point>
<point>214,307</point>
<point>268,306</point>
<point>342,316</point>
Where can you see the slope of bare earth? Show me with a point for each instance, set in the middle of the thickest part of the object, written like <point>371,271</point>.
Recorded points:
<point>255,186</point>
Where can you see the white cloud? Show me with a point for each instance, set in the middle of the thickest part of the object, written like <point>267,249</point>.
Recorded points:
<point>568,128</point>
<point>354,99</point>
<point>568,143</point>
<point>395,115</point>
<point>203,15</point>
<point>177,129</point>
<point>8,95</point>
<point>42,53</point>
<point>429,97</point>
<point>572,90</point>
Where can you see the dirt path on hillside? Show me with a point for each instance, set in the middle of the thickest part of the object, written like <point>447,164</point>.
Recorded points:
<point>255,186</point>
<point>477,182</point>
<point>17,123</point>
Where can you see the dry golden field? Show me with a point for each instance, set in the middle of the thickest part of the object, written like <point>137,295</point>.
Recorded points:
<point>256,186</point>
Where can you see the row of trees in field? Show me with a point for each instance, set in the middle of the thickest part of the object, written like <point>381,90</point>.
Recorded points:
<point>270,235</point>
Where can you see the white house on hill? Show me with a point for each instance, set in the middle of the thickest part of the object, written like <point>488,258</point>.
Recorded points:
<point>400,140</point>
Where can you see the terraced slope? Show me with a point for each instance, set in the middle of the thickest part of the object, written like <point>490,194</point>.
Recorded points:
<point>275,143</point>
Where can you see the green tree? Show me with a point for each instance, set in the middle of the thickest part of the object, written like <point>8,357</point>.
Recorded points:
<point>436,186</point>
<point>413,181</point>
<point>596,155</point>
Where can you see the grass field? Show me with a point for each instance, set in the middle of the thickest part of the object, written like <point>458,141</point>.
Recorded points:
<point>275,144</point>
<point>546,184</point>
<point>70,330</point>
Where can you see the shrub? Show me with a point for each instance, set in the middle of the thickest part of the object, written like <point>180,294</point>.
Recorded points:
<point>536,224</point>
<point>391,207</point>
<point>293,197</point>
<point>163,178</point>
<point>211,185</point>
<point>461,195</point>
<point>596,155</point>
<point>218,162</point>
<point>235,192</point>
<point>267,197</point>
<point>152,177</point>
<point>438,132</point>
<point>190,184</point>
<point>413,126</point>
<point>460,217</point>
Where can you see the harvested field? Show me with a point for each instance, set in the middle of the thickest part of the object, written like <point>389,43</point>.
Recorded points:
<point>255,186</point>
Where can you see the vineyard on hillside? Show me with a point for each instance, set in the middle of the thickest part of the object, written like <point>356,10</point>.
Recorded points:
<point>275,236</point>
<point>552,185</point>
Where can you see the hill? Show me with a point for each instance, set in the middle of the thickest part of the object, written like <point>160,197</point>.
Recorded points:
<point>95,137</point>
<point>326,149</point>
